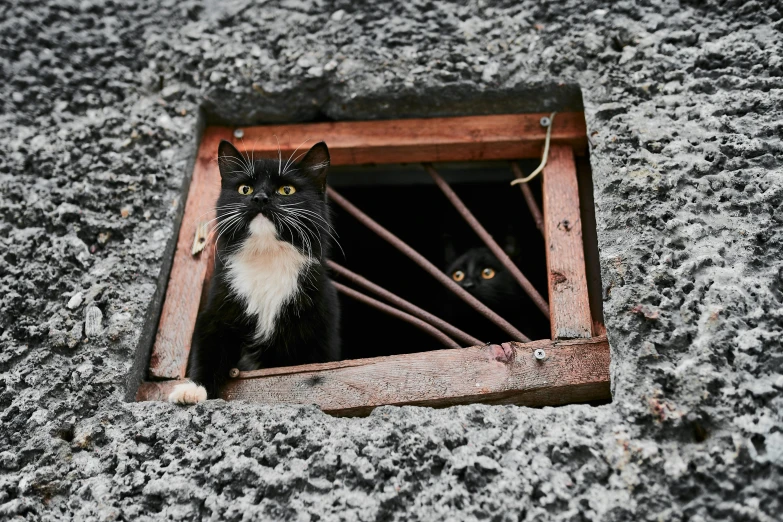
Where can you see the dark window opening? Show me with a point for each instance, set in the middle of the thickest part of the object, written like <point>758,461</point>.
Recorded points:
<point>404,199</point>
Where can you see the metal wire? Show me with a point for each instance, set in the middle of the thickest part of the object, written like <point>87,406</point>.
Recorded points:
<point>440,336</point>
<point>544,156</point>
<point>488,240</point>
<point>399,302</point>
<point>426,265</point>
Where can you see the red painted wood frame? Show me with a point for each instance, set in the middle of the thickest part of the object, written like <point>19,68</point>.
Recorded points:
<point>576,365</point>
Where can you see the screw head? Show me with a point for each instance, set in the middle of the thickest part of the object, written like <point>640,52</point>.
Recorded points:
<point>233,373</point>
<point>545,121</point>
<point>539,354</point>
<point>238,133</point>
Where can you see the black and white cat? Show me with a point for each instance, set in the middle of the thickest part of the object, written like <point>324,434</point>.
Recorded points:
<point>270,302</point>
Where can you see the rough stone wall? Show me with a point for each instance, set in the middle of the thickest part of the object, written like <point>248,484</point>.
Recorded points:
<point>99,106</point>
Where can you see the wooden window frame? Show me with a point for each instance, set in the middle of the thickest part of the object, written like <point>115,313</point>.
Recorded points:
<point>575,367</point>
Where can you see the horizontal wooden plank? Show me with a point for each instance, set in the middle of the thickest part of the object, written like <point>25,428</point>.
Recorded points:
<point>467,138</point>
<point>572,372</point>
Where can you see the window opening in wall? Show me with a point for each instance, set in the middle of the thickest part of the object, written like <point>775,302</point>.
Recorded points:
<point>405,200</point>
<point>554,350</point>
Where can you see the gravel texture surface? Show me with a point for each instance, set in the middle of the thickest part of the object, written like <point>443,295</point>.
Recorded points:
<point>99,117</point>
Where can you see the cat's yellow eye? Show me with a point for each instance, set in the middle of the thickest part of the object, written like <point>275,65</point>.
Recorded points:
<point>487,273</point>
<point>458,276</point>
<point>286,190</point>
<point>245,190</point>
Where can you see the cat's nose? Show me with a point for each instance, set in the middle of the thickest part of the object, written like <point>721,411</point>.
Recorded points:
<point>260,197</point>
<point>468,284</point>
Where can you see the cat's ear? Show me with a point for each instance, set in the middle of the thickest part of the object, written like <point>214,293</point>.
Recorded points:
<point>316,163</point>
<point>230,161</point>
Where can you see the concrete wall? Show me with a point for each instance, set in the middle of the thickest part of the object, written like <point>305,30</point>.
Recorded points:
<point>99,117</point>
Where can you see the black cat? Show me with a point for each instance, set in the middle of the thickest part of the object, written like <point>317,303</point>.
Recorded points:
<point>480,273</point>
<point>270,301</point>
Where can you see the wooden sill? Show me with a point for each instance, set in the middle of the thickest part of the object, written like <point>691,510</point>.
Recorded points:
<point>572,372</point>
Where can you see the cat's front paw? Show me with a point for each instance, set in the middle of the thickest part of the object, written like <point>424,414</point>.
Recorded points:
<point>188,393</point>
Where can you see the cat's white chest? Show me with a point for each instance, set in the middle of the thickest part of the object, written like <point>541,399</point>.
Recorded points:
<point>264,274</point>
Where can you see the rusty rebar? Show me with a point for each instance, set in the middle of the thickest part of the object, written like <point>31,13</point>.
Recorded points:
<point>401,303</point>
<point>491,243</point>
<point>426,265</point>
<point>529,199</point>
<point>399,314</point>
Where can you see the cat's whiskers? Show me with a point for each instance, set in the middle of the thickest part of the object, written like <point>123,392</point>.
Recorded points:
<point>306,239</point>
<point>317,236</point>
<point>295,206</point>
<point>295,220</point>
<point>250,164</point>
<point>321,223</point>
<point>324,225</point>
<point>242,164</point>
<point>229,206</point>
<point>283,223</point>
<point>297,159</point>
<point>223,217</point>
<point>252,153</point>
<point>302,231</point>
<point>291,226</point>
<point>309,213</point>
<point>229,222</point>
<point>225,226</point>
<point>289,163</point>
<point>308,278</point>
<point>233,160</point>
<point>279,157</point>
<point>228,219</point>
<point>228,212</point>
<point>307,275</point>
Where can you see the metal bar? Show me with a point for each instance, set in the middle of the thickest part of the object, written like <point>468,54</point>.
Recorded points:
<point>426,265</point>
<point>399,302</point>
<point>538,217</point>
<point>399,314</point>
<point>484,235</point>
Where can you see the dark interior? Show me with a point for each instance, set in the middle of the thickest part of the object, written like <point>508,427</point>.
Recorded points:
<point>404,200</point>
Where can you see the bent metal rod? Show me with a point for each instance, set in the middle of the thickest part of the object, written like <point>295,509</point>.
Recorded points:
<point>529,199</point>
<point>354,294</point>
<point>401,303</point>
<point>426,265</point>
<point>488,240</point>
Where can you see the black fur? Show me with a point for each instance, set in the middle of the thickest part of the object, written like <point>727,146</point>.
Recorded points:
<point>307,327</point>
<point>501,293</point>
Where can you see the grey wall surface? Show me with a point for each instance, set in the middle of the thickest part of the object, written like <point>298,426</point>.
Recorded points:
<point>99,117</point>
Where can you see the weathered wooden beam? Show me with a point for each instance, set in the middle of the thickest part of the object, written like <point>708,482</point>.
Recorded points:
<point>569,303</point>
<point>468,138</point>
<point>572,372</point>
<point>183,294</point>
